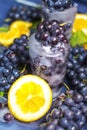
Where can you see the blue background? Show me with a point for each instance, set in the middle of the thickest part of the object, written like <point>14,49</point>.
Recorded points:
<point>4,7</point>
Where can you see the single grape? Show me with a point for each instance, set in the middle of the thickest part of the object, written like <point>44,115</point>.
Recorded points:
<point>8,117</point>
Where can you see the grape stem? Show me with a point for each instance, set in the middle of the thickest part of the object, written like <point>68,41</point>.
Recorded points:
<point>24,68</point>
<point>67,87</point>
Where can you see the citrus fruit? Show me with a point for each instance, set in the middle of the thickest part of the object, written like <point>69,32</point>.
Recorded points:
<point>80,23</point>
<point>29,98</point>
<point>7,38</point>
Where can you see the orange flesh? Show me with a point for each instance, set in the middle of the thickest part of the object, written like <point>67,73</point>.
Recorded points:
<point>85,46</point>
<point>32,100</point>
<point>80,23</point>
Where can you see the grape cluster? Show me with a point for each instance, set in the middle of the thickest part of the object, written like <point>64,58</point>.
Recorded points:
<point>50,33</point>
<point>10,59</point>
<point>76,73</point>
<point>69,112</point>
<point>8,72</point>
<point>18,51</point>
<point>58,4</point>
<point>26,13</point>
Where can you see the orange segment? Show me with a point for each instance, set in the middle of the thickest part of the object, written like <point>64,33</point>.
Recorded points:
<point>2,40</point>
<point>85,46</point>
<point>80,23</point>
<point>24,31</point>
<point>20,25</point>
<point>29,98</point>
<point>7,38</point>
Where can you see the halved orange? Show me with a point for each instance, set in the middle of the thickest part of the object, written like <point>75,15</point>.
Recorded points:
<point>80,23</point>
<point>29,98</point>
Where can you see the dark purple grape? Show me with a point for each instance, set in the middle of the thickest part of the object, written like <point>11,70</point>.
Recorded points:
<point>69,65</point>
<point>75,82</point>
<point>69,102</point>
<point>56,113</point>
<point>45,36</point>
<point>85,98</point>
<point>45,43</point>
<point>55,121</point>
<point>81,122</point>
<point>43,67</point>
<point>6,71</point>
<point>37,36</point>
<point>48,27</point>
<point>50,3</point>
<point>7,87</point>
<point>58,102</point>
<point>50,127</point>
<point>57,32</point>
<point>13,47</point>
<point>3,81</point>
<point>16,73</point>
<point>8,117</point>
<point>84,110</point>
<point>54,23</point>
<point>78,97</point>
<point>84,90</point>
<point>82,76</point>
<point>72,126</point>
<point>64,122</point>
<point>63,107</point>
<point>78,114</point>
<point>69,114</point>
<point>54,40</point>
<point>1,56</point>
<point>61,37</point>
<point>1,105</point>
<point>40,27</point>
<point>59,128</point>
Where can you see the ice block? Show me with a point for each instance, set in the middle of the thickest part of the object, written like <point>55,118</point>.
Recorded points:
<point>48,50</point>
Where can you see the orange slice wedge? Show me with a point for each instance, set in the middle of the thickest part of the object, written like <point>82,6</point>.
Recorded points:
<point>80,23</point>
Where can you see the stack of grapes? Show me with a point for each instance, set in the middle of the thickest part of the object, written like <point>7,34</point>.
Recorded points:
<point>11,59</point>
<point>69,112</point>
<point>49,59</point>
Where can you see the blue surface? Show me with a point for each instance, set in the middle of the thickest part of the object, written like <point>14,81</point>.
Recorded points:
<point>15,125</point>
